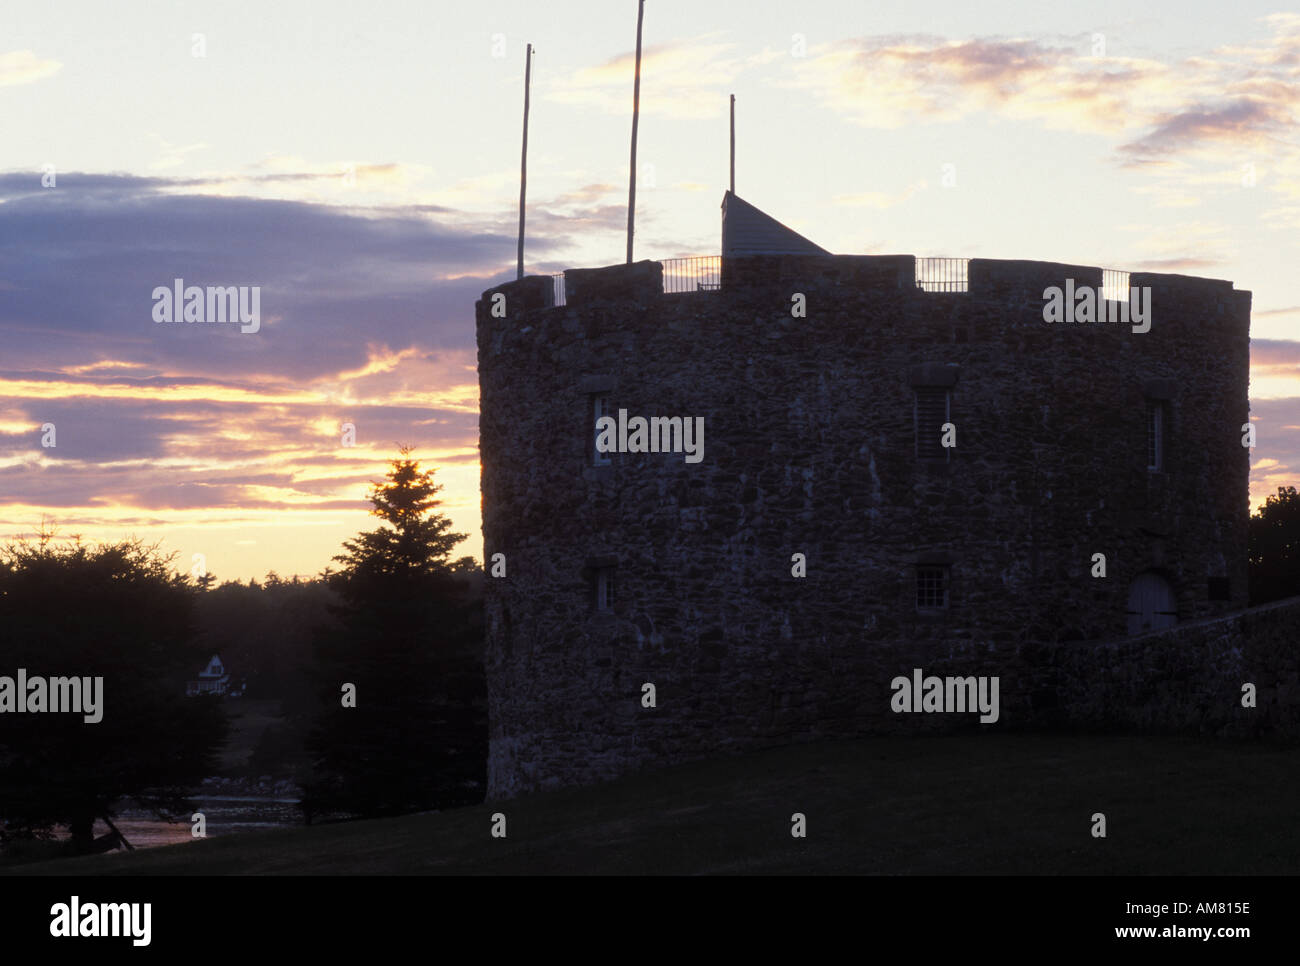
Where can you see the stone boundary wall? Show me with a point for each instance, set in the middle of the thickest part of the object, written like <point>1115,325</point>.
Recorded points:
<point>1188,679</point>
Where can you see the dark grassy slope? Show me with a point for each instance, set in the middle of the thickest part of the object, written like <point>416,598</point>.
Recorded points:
<point>967,805</point>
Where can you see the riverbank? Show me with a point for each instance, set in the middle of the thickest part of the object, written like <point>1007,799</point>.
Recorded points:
<point>223,815</point>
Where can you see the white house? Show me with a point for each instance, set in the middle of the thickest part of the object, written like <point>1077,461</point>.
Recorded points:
<point>213,679</point>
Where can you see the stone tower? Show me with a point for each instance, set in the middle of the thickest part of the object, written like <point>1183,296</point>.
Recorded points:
<point>824,384</point>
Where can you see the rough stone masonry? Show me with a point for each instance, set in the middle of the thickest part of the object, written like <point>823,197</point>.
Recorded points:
<point>630,568</point>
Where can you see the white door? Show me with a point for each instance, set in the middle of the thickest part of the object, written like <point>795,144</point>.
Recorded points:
<point>1151,605</point>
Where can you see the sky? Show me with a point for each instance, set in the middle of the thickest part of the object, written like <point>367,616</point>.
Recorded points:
<point>359,164</point>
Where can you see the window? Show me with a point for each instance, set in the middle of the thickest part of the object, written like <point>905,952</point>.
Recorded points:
<point>1220,588</point>
<point>931,587</point>
<point>603,589</point>
<point>1156,425</point>
<point>600,406</point>
<point>932,411</point>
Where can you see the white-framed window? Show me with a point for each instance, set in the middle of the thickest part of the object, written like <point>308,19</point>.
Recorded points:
<point>1157,424</point>
<point>600,406</point>
<point>933,408</point>
<point>932,586</point>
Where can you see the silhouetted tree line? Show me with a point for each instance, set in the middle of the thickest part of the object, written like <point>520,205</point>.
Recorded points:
<point>121,613</point>
<point>1275,548</point>
<point>265,632</point>
<point>398,622</point>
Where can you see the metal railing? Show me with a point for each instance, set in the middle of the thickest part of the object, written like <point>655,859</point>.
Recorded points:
<point>1114,285</point>
<point>942,274</point>
<point>698,273</point>
<point>703,273</point>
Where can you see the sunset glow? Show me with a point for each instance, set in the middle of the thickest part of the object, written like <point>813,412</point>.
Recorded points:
<point>361,168</point>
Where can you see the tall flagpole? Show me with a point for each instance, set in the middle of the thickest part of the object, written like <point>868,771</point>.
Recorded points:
<point>733,144</point>
<point>636,111</point>
<point>523,161</point>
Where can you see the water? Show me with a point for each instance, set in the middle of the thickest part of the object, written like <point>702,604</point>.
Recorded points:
<point>225,815</point>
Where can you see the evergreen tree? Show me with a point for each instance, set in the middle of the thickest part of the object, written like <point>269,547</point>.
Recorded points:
<point>404,641</point>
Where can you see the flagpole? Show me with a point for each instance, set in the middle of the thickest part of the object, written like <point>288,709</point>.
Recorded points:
<point>636,111</point>
<point>523,161</point>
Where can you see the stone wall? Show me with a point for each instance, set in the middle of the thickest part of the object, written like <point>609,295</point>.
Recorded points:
<point>1189,679</point>
<point>810,448</point>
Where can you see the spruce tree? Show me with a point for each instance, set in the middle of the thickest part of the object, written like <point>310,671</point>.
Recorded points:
<point>403,641</point>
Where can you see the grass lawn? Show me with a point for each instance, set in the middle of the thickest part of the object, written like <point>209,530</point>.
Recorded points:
<point>977,804</point>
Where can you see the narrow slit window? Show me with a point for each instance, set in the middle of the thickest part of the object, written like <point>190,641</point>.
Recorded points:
<point>604,590</point>
<point>600,406</point>
<point>1157,424</point>
<point>933,409</point>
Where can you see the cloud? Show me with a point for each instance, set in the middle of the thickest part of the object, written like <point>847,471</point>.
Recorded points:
<point>893,81</point>
<point>881,199</point>
<point>1245,123</point>
<point>1265,353</point>
<point>1276,458</point>
<point>172,155</point>
<point>1234,108</point>
<point>1180,246</point>
<point>686,80</point>
<point>192,424</point>
<point>24,67</point>
<point>79,263</point>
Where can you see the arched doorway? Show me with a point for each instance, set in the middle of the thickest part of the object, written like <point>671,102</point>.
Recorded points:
<point>1151,604</point>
